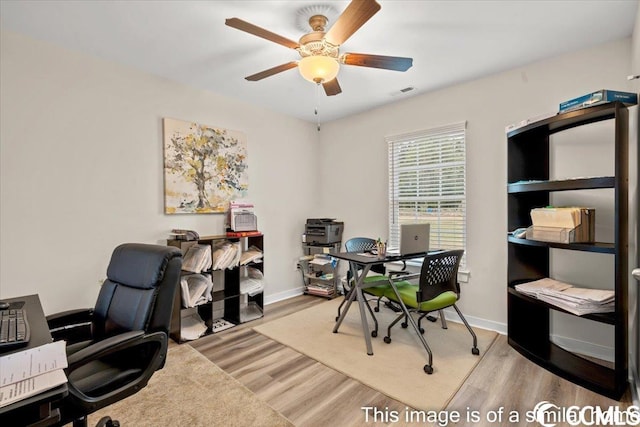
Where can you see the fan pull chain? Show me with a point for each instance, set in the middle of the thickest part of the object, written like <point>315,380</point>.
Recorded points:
<point>317,103</point>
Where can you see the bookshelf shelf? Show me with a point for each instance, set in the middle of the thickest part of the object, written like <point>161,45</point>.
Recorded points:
<point>528,187</point>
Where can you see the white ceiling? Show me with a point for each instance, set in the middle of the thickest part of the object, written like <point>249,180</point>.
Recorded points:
<point>449,41</point>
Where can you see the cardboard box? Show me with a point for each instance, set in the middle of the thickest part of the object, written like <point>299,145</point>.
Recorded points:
<point>599,97</point>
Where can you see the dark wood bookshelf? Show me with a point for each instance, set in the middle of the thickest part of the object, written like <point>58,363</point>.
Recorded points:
<point>529,186</point>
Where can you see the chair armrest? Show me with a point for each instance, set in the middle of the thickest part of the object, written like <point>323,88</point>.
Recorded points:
<point>404,276</point>
<point>69,318</point>
<point>71,326</point>
<point>155,343</point>
<point>104,348</point>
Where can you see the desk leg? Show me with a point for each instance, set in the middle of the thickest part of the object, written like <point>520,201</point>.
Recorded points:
<point>357,294</point>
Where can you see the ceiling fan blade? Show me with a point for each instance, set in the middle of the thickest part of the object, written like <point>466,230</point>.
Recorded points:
<point>271,71</point>
<point>332,87</point>
<point>260,32</point>
<point>354,16</point>
<point>396,63</point>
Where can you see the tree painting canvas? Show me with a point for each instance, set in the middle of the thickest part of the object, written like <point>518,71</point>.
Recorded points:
<point>204,167</point>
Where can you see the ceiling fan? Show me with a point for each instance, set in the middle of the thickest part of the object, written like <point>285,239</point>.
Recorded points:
<point>320,49</point>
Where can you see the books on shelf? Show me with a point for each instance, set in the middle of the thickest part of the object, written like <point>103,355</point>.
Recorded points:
<point>576,300</point>
<point>601,96</point>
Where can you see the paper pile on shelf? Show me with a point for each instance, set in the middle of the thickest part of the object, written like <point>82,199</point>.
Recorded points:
<point>578,301</point>
<point>197,258</point>
<point>192,327</point>
<point>253,254</point>
<point>226,255</point>
<point>253,283</point>
<point>581,301</point>
<point>533,289</point>
<point>196,289</point>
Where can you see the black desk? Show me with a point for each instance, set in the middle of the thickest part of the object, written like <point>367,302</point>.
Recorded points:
<point>368,261</point>
<point>35,410</point>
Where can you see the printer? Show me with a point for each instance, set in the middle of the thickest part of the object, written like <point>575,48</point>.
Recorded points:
<point>323,230</point>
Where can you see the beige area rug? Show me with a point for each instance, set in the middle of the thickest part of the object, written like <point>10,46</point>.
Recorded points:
<point>192,391</point>
<point>395,369</point>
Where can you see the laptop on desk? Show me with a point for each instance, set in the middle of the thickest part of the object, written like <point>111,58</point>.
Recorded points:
<point>414,238</point>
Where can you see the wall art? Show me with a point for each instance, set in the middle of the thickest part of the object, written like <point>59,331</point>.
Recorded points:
<point>204,167</point>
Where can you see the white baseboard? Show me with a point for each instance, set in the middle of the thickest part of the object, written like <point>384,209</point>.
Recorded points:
<point>586,348</point>
<point>280,296</point>
<point>501,328</point>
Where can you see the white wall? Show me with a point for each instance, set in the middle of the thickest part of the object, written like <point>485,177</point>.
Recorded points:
<point>82,171</point>
<point>354,171</point>
<point>81,165</point>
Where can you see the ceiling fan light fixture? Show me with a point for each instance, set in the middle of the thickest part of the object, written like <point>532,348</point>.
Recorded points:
<point>318,68</point>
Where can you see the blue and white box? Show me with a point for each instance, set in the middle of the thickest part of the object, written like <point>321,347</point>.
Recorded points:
<point>599,97</point>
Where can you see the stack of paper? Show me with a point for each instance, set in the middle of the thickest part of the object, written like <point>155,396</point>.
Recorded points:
<point>253,283</point>
<point>581,301</point>
<point>253,254</point>
<point>578,301</point>
<point>29,372</point>
<point>534,288</point>
<point>192,327</point>
<point>197,258</point>
<point>196,289</point>
<point>226,255</point>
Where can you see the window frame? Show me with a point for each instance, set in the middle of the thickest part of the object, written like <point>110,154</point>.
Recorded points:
<point>449,144</point>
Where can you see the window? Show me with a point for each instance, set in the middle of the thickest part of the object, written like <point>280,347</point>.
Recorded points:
<point>427,183</point>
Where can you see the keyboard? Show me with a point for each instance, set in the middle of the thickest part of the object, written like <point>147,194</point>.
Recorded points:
<point>14,328</point>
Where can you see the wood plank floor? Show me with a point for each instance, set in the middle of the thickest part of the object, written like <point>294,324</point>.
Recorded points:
<point>311,394</point>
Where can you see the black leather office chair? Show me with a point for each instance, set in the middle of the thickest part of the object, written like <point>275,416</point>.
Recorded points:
<point>114,348</point>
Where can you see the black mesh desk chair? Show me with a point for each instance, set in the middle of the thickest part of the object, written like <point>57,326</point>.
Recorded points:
<point>437,289</point>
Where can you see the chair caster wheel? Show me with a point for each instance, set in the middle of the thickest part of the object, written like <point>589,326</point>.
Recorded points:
<point>376,309</point>
<point>337,317</point>
<point>387,340</point>
<point>107,422</point>
<point>404,325</point>
<point>475,351</point>
<point>374,334</point>
<point>421,331</point>
<point>428,369</point>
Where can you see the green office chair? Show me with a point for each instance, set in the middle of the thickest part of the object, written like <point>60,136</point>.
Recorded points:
<point>437,289</point>
<point>364,244</point>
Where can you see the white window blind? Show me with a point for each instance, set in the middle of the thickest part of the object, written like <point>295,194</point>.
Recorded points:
<point>427,183</point>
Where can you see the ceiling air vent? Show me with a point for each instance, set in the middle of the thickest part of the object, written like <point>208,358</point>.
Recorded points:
<point>403,91</point>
